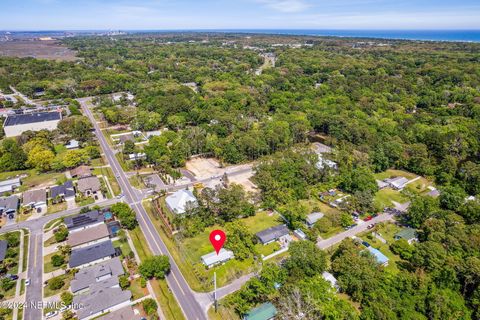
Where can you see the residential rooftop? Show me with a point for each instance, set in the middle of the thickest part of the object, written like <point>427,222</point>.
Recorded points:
<point>65,190</point>
<point>88,235</point>
<point>84,219</point>
<point>213,258</point>
<point>179,201</point>
<point>265,311</point>
<point>3,249</point>
<point>91,253</point>
<point>96,274</point>
<point>34,196</point>
<point>272,233</point>
<point>99,301</point>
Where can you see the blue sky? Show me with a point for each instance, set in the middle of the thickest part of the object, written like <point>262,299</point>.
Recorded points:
<point>238,14</point>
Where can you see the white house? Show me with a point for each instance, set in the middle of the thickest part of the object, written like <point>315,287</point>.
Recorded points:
<point>180,200</point>
<point>213,259</point>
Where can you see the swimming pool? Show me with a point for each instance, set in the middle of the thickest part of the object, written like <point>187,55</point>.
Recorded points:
<point>107,215</point>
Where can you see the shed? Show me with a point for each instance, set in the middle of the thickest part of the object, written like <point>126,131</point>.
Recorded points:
<point>379,256</point>
<point>408,234</point>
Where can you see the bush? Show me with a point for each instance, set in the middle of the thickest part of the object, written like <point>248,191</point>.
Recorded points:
<point>67,298</point>
<point>124,282</point>
<point>157,266</point>
<point>143,282</point>
<point>7,284</point>
<point>61,234</point>
<point>58,260</point>
<point>56,283</point>
<point>150,306</point>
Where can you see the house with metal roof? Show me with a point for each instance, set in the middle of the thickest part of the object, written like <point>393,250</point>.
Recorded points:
<point>62,192</point>
<point>98,302</point>
<point>266,311</point>
<point>35,199</point>
<point>179,201</point>
<point>379,256</point>
<point>9,185</point>
<point>88,237</point>
<point>408,234</point>
<point>84,220</point>
<point>213,259</point>
<point>327,276</point>
<point>312,218</point>
<point>16,124</point>
<point>87,256</point>
<point>397,183</point>
<point>104,274</point>
<point>272,234</point>
<point>9,205</point>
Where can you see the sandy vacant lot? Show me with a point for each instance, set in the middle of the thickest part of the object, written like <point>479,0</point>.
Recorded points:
<point>244,180</point>
<point>50,50</point>
<point>204,168</point>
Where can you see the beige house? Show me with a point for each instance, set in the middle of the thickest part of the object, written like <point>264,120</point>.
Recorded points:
<point>89,236</point>
<point>89,186</point>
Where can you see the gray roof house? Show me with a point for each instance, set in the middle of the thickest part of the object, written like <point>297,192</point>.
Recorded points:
<point>179,201</point>
<point>125,313</point>
<point>8,205</point>
<point>84,221</point>
<point>271,234</point>
<point>212,259</point>
<point>313,217</point>
<point>9,185</point>
<point>64,191</point>
<point>98,302</point>
<point>88,185</point>
<point>87,256</point>
<point>327,276</point>
<point>88,236</point>
<point>397,183</point>
<point>3,249</point>
<point>96,276</point>
<point>35,198</point>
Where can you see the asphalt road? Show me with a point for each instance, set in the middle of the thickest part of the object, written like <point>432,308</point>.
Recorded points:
<point>327,243</point>
<point>185,297</point>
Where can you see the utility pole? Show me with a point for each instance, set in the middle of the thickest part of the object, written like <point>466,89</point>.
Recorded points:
<point>215,291</point>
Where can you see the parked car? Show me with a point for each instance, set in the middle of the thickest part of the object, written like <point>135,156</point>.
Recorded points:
<point>27,282</point>
<point>368,218</point>
<point>366,244</point>
<point>370,226</point>
<point>51,314</point>
<point>11,276</point>
<point>64,308</point>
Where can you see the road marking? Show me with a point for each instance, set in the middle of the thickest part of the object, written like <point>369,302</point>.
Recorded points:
<point>35,248</point>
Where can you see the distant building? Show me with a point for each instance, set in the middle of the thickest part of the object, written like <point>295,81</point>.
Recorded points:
<point>272,234</point>
<point>87,256</point>
<point>397,183</point>
<point>213,259</point>
<point>266,311</point>
<point>102,275</point>
<point>125,313</point>
<point>84,221</point>
<point>379,256</point>
<point>88,237</point>
<point>327,276</point>
<point>179,201</point>
<point>35,199</point>
<point>62,192</point>
<point>8,205</point>
<point>137,156</point>
<point>95,303</point>
<point>89,186</point>
<point>313,217</point>
<point>381,184</point>
<point>300,234</point>
<point>15,125</point>
<point>408,234</point>
<point>9,185</point>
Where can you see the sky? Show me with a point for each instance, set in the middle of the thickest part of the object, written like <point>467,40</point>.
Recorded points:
<point>238,14</point>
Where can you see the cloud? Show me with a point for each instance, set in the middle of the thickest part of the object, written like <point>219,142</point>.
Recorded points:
<point>287,6</point>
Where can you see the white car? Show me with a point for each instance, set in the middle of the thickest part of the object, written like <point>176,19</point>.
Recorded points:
<point>51,314</point>
<point>27,282</point>
<point>64,308</point>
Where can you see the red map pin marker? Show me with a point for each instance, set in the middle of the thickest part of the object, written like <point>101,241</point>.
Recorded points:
<point>217,239</point>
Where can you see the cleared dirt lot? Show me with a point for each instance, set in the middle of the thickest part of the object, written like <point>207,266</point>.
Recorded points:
<point>244,180</point>
<point>50,50</point>
<point>204,168</point>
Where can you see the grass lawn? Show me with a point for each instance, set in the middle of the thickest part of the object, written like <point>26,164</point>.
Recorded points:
<point>268,249</point>
<point>22,286</point>
<point>9,293</point>
<point>85,201</point>
<point>25,250</point>
<point>386,231</point>
<point>123,246</point>
<point>48,266</point>
<point>167,301</point>
<point>23,216</point>
<point>108,173</point>
<point>419,185</point>
<point>383,198</point>
<point>136,182</point>
<point>187,255</point>
<point>14,269</point>
<point>137,290</point>
<point>33,178</point>
<point>52,208</point>
<point>52,224</point>
<point>66,278</point>
<point>394,173</point>
<point>313,204</point>
<point>97,162</point>
<point>121,159</point>
<point>140,243</point>
<point>223,313</point>
<point>50,241</point>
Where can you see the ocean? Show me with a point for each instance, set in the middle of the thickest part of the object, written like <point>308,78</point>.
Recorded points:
<point>432,35</point>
